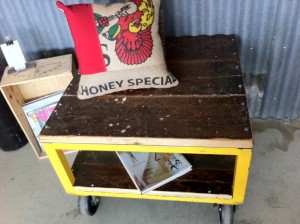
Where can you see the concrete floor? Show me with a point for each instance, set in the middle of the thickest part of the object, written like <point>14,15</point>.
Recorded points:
<point>31,193</point>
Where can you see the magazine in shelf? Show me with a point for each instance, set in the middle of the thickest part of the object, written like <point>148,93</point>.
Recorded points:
<point>149,171</point>
<point>38,111</point>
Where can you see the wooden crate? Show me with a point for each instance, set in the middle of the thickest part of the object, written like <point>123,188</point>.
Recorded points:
<point>43,77</point>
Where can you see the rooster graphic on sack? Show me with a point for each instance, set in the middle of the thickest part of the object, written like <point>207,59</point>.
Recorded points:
<point>130,28</point>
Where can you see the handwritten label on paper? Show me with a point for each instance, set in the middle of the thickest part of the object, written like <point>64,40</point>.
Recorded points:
<point>41,71</point>
<point>56,66</point>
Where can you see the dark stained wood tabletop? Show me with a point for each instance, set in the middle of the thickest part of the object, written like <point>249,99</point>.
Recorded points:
<point>209,103</point>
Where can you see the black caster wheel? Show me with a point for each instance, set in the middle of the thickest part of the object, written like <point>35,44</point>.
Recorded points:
<point>88,205</point>
<point>226,213</point>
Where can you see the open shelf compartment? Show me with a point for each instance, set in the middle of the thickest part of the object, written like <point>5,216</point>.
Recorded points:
<point>211,176</point>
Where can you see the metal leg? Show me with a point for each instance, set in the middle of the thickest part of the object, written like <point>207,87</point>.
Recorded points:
<point>61,166</point>
<point>226,213</point>
<point>241,171</point>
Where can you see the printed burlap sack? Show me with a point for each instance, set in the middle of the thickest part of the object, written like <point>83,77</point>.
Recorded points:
<point>118,47</point>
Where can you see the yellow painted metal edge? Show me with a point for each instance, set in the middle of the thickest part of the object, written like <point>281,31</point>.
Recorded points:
<point>241,173</point>
<point>61,166</point>
<point>156,197</point>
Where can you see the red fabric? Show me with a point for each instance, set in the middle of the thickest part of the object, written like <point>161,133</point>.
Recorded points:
<point>87,44</point>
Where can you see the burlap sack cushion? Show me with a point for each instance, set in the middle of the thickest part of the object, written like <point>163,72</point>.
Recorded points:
<point>118,47</point>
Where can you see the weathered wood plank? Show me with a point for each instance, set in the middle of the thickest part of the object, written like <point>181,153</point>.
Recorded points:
<point>203,68</point>
<point>219,47</point>
<point>190,83</point>
<point>149,116</point>
<point>190,58</point>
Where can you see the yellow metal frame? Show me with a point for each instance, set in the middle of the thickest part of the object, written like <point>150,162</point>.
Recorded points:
<point>64,172</point>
